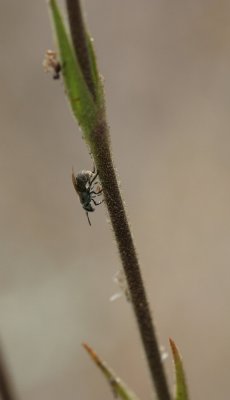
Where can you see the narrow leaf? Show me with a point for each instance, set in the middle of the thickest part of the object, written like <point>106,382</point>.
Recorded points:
<point>118,387</point>
<point>181,386</point>
<point>79,96</point>
<point>94,71</point>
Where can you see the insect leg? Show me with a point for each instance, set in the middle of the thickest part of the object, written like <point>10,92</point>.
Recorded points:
<point>97,204</point>
<point>87,214</point>
<point>94,183</point>
<point>96,193</point>
<point>95,176</point>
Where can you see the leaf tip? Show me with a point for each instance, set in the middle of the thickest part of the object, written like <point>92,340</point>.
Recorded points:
<point>174,348</point>
<point>92,353</point>
<point>181,385</point>
<point>87,347</point>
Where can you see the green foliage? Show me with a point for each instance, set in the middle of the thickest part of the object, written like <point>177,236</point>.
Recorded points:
<point>81,100</point>
<point>94,73</point>
<point>181,386</point>
<point>118,387</point>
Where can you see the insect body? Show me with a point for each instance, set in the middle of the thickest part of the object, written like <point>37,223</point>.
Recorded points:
<point>84,184</point>
<point>51,63</point>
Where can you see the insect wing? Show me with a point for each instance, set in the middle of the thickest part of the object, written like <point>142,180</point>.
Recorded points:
<point>74,181</point>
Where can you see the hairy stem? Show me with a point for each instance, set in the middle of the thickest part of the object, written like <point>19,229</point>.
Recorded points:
<point>129,259</point>
<point>99,143</point>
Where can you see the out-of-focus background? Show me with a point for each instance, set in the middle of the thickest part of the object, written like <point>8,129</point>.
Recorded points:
<point>166,67</point>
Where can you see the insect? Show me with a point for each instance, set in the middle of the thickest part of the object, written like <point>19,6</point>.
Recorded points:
<point>84,184</point>
<point>51,63</point>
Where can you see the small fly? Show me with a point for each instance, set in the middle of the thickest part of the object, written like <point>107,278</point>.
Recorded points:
<point>84,184</point>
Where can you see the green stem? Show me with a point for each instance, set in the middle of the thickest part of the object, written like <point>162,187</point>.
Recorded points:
<point>79,41</point>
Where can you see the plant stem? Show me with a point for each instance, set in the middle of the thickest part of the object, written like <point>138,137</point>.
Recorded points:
<point>99,143</point>
<point>79,41</point>
<point>129,259</point>
<point>6,392</point>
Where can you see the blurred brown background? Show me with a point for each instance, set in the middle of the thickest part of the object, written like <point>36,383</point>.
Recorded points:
<point>166,66</point>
